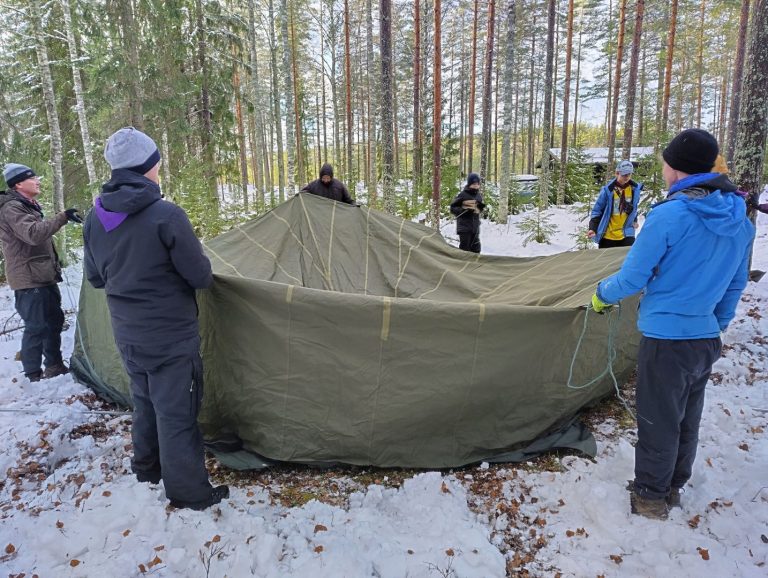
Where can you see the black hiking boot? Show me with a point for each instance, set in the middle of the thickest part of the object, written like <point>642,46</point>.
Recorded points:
<point>54,370</point>
<point>673,499</point>
<point>34,376</point>
<point>647,507</point>
<point>218,494</point>
<point>150,477</point>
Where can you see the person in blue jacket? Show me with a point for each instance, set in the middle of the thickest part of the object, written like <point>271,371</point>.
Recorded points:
<point>692,263</point>
<point>613,220</point>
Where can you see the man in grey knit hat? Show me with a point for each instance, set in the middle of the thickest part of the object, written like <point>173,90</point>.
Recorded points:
<point>33,270</point>
<point>143,252</point>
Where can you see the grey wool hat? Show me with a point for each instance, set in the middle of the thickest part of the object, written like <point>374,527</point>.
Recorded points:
<point>14,173</point>
<point>625,168</point>
<point>131,149</point>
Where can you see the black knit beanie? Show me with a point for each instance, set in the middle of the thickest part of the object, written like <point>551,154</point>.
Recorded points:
<point>692,151</point>
<point>473,178</point>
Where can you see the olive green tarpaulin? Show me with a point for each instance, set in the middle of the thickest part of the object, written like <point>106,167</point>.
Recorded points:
<point>335,333</point>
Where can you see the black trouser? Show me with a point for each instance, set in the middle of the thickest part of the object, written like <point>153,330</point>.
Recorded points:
<point>469,242</point>
<point>671,378</point>
<point>40,309</point>
<point>608,243</point>
<point>167,390</point>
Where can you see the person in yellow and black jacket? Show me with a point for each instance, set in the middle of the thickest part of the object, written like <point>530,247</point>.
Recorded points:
<point>614,216</point>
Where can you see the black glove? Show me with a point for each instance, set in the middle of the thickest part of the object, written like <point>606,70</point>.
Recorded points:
<point>73,215</point>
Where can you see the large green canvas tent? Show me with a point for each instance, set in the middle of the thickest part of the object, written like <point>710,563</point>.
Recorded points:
<point>335,333</point>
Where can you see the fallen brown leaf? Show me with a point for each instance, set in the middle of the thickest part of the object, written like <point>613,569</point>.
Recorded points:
<point>444,488</point>
<point>10,549</point>
<point>318,549</point>
<point>616,558</point>
<point>125,533</point>
<point>449,552</point>
<point>74,562</point>
<point>320,528</point>
<point>59,524</point>
<point>704,553</point>
<point>694,522</point>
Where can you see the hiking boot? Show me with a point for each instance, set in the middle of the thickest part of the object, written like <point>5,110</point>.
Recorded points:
<point>673,499</point>
<point>653,509</point>
<point>150,477</point>
<point>34,376</point>
<point>218,494</point>
<point>54,370</point>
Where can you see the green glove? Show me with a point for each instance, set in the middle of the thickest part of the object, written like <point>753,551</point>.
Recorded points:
<point>598,306</point>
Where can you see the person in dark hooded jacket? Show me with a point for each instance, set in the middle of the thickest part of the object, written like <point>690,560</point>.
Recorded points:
<point>467,207</point>
<point>143,252</point>
<point>328,187</point>
<point>691,260</point>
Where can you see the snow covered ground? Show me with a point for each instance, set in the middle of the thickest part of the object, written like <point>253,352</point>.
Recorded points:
<point>69,507</point>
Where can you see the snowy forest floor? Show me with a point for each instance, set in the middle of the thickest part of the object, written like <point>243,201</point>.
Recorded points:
<point>70,507</point>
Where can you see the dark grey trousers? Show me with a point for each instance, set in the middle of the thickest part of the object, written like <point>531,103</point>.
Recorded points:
<point>167,390</point>
<point>40,309</point>
<point>671,378</point>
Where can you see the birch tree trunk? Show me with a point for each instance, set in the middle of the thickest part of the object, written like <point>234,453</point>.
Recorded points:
<point>277,113</point>
<point>49,97</point>
<point>348,83</point>
<point>372,106</point>
<point>256,100</point>
<point>545,168</point>
<point>290,135</point>
<point>487,96</point>
<point>509,94</point>
<point>416,99</point>
<point>472,89</point>
<point>629,114</point>
<point>80,99</point>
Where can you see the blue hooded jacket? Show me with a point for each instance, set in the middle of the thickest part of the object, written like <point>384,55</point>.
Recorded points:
<point>691,257</point>
<point>603,209</point>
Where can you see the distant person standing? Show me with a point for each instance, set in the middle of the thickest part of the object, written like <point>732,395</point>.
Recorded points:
<point>614,216</point>
<point>329,187</point>
<point>143,252</point>
<point>467,207</point>
<point>33,270</point>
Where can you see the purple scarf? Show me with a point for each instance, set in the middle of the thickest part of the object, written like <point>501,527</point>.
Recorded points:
<point>109,219</point>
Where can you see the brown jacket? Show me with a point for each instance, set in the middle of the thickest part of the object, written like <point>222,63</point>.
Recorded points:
<point>30,257</point>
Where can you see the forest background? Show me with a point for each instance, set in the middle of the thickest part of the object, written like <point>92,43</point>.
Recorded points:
<point>246,99</point>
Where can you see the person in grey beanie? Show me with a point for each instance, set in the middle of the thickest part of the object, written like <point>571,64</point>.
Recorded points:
<point>33,270</point>
<point>143,252</point>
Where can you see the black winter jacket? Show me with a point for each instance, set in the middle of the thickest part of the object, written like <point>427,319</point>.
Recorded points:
<point>467,221</point>
<point>335,190</point>
<point>143,252</point>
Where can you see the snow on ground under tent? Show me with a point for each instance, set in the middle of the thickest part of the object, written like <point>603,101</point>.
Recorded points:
<point>69,506</point>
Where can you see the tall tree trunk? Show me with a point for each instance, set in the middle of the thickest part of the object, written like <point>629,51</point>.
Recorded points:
<point>545,165</point>
<point>130,39</point>
<point>166,165</point>
<point>609,99</point>
<point>80,98</point>
<point>387,134</point>
<point>472,87</point>
<point>277,113</point>
<point>240,135</point>
<point>437,120</point>
<point>641,115</point>
<point>508,94</point>
<point>668,66</point>
<point>296,104</point>
<point>566,103</point>
<point>372,105</point>
<point>616,86</point>
<point>206,135</point>
<point>348,85</point>
<point>629,114</point>
<point>531,104</point>
<point>488,83</point>
<point>752,130</point>
<point>578,80</point>
<point>256,101</point>
<point>700,68</point>
<point>738,68</point>
<point>290,125</point>
<point>416,99</point>
<point>49,97</point>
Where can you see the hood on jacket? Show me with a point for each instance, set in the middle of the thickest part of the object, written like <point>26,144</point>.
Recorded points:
<point>12,195</point>
<point>708,197</point>
<point>326,169</point>
<point>128,192</point>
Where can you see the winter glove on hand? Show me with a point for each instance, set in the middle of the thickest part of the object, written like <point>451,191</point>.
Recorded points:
<point>73,215</point>
<point>599,306</point>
